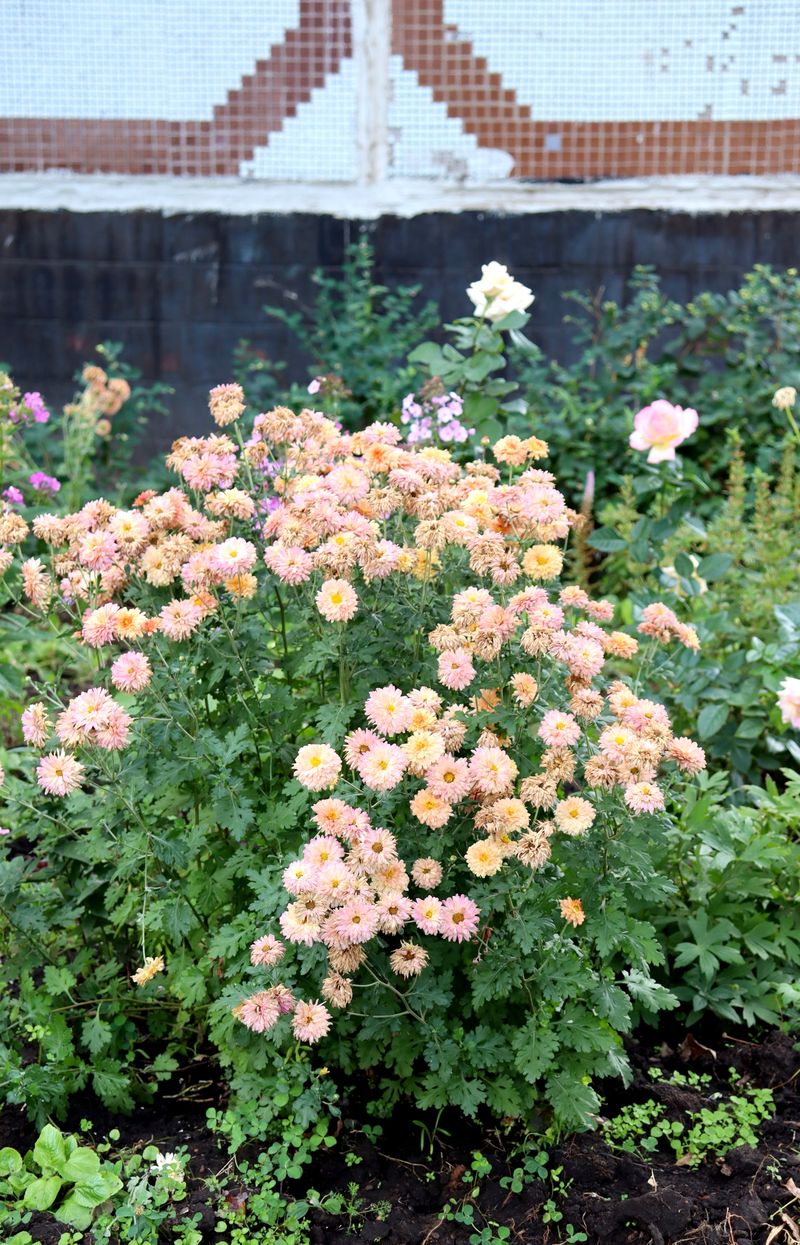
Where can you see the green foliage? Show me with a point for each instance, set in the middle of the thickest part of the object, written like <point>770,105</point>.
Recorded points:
<point>700,1136</point>
<point>59,1176</point>
<point>723,354</point>
<point>358,333</point>
<point>731,927</point>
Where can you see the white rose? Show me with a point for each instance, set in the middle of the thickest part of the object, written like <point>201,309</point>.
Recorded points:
<point>497,293</point>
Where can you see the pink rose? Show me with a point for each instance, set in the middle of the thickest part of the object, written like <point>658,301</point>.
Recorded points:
<point>661,426</point>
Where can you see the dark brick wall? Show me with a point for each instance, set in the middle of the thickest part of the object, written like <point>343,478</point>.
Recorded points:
<point>180,290</point>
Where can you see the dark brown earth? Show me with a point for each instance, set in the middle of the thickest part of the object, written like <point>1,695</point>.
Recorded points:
<point>745,1196</point>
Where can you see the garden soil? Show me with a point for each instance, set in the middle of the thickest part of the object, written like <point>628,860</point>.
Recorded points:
<point>745,1196</point>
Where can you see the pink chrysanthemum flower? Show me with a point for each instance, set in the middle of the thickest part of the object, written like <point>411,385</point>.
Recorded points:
<point>58,773</point>
<point>574,815</point>
<point>179,619</point>
<point>310,1022</point>
<point>317,766</point>
<point>291,563</point>
<point>431,809</point>
<point>337,600</point>
<point>266,951</point>
<point>357,744</point>
<point>449,778</point>
<point>332,816</point>
<point>321,850</point>
<point>382,768</point>
<point>99,626</point>
<point>459,918</point>
<point>388,710</point>
<point>644,797</point>
<point>559,730</point>
<point>427,872</point>
<point>687,755</point>
<point>300,877</point>
<point>114,731</point>
<point>492,770</point>
<point>234,556</point>
<point>334,882</point>
<point>36,725</point>
<point>375,848</point>
<point>298,926</point>
<point>355,922</point>
<point>455,669</point>
<point>98,551</point>
<point>426,914</point>
<point>131,672</point>
<point>260,1012</point>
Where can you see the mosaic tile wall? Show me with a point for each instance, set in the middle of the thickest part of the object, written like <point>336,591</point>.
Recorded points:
<point>474,90</point>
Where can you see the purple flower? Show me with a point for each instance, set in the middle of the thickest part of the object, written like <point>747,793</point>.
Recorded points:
<point>44,483</point>
<point>35,404</point>
<point>14,495</point>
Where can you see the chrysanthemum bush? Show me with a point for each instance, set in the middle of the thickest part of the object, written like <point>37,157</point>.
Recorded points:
<point>359,781</point>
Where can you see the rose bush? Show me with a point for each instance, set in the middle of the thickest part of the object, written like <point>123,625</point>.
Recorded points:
<point>355,768</point>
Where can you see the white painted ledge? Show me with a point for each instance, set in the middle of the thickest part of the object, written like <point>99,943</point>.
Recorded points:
<point>235,196</point>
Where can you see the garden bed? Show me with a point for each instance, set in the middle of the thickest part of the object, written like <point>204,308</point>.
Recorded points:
<point>403,1186</point>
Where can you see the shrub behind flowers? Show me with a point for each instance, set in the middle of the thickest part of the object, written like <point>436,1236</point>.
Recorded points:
<point>356,769</point>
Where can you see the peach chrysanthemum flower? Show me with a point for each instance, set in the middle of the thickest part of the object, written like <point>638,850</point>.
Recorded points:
<point>644,797</point>
<point>266,951</point>
<point>179,619</point>
<point>337,600</point>
<point>422,749</point>
<point>226,403</point>
<point>459,918</point>
<point>346,959</point>
<point>332,816</point>
<point>426,914</point>
<point>542,562</point>
<point>58,773</point>
<point>6,558</point>
<point>426,872</point>
<point>431,809</point>
<point>99,626</point>
<point>394,910</point>
<point>409,959</point>
<point>559,730</point>
<point>492,770</point>
<point>337,990</point>
<point>688,755</point>
<point>36,725</point>
<point>572,911</point>
<point>484,858</point>
<point>234,556</point>
<point>455,669</point>
<point>382,767</point>
<point>526,689</point>
<point>321,850</point>
<point>316,767</point>
<point>131,672</point>
<point>574,815</point>
<point>618,644</point>
<point>299,927</point>
<point>300,877</point>
<point>388,710</point>
<point>507,816</point>
<point>153,965</point>
<point>129,623</point>
<point>244,587</point>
